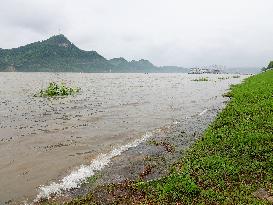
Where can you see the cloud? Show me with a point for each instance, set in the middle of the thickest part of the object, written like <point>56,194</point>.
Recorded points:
<point>167,32</point>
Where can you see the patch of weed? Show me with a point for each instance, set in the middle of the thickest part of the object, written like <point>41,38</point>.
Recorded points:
<point>55,89</point>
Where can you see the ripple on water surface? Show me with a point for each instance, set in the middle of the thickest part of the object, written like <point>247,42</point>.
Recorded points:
<point>43,140</point>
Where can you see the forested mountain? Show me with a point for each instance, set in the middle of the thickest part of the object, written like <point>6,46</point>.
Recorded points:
<point>54,54</point>
<point>58,54</point>
<point>122,65</point>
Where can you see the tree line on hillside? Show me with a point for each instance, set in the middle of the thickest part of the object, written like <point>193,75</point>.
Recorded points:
<point>58,54</point>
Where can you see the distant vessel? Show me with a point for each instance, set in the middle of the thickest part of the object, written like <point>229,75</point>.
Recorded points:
<point>214,69</point>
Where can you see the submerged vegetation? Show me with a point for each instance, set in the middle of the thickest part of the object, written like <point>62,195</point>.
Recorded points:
<point>55,89</point>
<point>201,79</point>
<point>231,164</point>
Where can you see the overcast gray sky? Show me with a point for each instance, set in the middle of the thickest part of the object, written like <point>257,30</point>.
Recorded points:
<point>167,32</point>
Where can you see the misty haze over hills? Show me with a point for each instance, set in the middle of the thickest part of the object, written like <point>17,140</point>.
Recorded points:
<point>58,54</point>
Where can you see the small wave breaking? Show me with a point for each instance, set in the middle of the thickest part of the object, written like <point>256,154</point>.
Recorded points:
<point>77,177</point>
<point>203,112</point>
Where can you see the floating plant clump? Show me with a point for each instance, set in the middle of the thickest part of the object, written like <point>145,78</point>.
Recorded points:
<point>55,89</point>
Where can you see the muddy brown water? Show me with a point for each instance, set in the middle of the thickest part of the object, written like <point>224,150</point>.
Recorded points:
<point>43,140</point>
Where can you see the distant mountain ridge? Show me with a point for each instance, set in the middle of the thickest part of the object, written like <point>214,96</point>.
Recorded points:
<point>58,54</point>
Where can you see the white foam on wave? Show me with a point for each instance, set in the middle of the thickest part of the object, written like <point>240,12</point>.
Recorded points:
<point>203,112</point>
<point>77,177</point>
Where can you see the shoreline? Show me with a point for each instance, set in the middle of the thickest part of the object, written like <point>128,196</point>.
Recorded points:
<point>149,160</point>
<point>230,164</point>
<point>79,128</point>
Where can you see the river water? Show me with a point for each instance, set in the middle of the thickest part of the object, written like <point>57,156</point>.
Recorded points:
<point>43,141</point>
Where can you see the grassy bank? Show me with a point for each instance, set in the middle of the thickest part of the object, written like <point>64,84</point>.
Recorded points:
<point>228,165</point>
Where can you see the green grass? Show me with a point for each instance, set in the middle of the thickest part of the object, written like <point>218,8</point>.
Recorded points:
<point>201,79</point>
<point>55,89</point>
<point>232,160</point>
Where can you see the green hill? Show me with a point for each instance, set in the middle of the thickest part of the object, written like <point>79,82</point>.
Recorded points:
<point>58,54</point>
<point>54,54</point>
<point>122,65</point>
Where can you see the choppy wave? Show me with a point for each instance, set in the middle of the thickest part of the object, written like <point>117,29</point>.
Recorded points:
<point>77,177</point>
